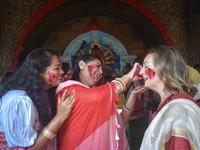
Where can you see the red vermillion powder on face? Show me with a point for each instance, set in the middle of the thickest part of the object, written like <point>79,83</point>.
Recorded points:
<point>150,72</point>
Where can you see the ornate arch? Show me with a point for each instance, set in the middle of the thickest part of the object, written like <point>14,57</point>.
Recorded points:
<point>52,4</point>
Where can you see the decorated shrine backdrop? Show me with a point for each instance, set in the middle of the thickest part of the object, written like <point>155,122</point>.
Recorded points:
<point>180,18</point>
<point>115,54</point>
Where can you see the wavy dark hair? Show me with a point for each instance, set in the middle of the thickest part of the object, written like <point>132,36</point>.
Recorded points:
<point>65,67</point>
<point>28,78</point>
<point>87,57</point>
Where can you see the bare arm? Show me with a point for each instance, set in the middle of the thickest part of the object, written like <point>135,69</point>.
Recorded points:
<point>133,75</point>
<point>126,112</point>
<point>63,111</point>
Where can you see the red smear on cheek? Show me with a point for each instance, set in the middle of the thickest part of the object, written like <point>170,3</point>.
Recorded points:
<point>151,73</point>
<point>52,76</point>
<point>90,69</point>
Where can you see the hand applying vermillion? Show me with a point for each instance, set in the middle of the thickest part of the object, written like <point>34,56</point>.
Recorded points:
<point>134,73</point>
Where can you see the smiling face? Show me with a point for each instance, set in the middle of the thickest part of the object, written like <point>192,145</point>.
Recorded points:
<point>150,75</point>
<point>68,75</point>
<point>53,74</point>
<point>91,72</point>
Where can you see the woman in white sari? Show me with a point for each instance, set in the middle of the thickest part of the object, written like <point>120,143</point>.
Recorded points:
<point>176,124</point>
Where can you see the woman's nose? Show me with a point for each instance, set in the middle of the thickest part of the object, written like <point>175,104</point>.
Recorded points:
<point>101,71</point>
<point>141,72</point>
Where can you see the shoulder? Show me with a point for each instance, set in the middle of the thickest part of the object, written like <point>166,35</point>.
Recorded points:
<point>69,83</point>
<point>180,108</point>
<point>15,93</point>
<point>15,96</point>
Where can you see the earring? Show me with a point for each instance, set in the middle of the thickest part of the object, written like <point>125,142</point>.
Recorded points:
<point>81,67</point>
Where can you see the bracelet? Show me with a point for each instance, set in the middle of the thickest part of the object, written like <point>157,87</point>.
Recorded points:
<point>48,133</point>
<point>122,82</point>
<point>122,88</point>
<point>125,108</point>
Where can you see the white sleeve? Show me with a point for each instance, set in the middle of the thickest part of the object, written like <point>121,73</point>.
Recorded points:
<point>18,121</point>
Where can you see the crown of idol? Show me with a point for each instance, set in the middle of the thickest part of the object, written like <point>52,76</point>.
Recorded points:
<point>95,44</point>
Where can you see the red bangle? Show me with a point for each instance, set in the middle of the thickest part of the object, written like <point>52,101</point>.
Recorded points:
<point>129,110</point>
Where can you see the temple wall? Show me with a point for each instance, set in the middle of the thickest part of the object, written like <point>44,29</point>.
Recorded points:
<point>16,14</point>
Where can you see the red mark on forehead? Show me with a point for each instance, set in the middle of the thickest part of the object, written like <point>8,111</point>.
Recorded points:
<point>52,76</point>
<point>150,72</point>
<point>148,54</point>
<point>90,69</point>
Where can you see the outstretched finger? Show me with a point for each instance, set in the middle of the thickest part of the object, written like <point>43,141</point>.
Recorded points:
<point>70,98</point>
<point>63,95</point>
<point>136,69</point>
<point>139,89</point>
<point>58,98</point>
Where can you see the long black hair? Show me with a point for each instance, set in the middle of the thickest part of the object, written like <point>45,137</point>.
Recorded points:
<point>28,78</point>
<point>65,67</point>
<point>87,57</point>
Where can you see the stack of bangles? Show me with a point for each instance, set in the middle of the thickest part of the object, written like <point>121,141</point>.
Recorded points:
<point>121,83</point>
<point>125,108</point>
<point>48,133</point>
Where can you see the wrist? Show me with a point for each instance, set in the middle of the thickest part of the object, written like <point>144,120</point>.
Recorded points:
<point>48,134</point>
<point>126,78</point>
<point>58,120</point>
<point>127,109</point>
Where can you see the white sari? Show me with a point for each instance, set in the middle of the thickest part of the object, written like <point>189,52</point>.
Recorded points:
<point>175,127</point>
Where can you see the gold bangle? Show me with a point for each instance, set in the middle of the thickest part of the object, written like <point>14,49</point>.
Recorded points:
<point>122,87</point>
<point>123,83</point>
<point>48,133</point>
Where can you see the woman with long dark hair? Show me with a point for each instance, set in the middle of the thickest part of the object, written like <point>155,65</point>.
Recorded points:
<point>26,118</point>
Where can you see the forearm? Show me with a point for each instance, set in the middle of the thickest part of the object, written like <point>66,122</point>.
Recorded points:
<point>42,141</point>
<point>121,84</point>
<point>126,78</point>
<point>128,108</point>
<point>64,108</point>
